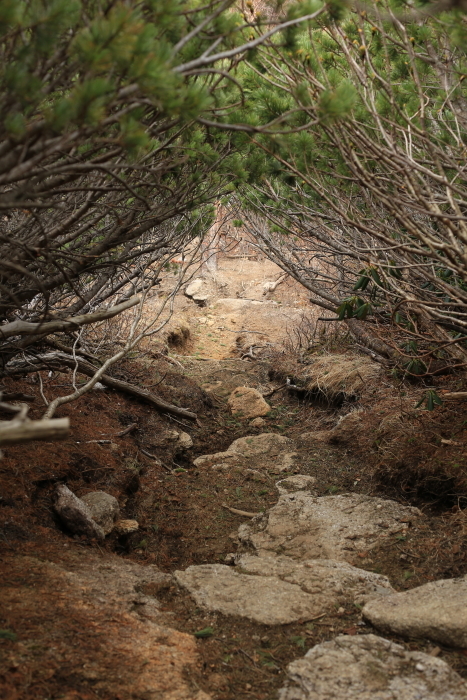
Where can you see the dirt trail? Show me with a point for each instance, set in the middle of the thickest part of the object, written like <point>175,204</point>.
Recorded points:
<point>115,634</point>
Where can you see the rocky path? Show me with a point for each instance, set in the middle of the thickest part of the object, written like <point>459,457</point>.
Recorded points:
<point>298,562</point>
<point>281,575</point>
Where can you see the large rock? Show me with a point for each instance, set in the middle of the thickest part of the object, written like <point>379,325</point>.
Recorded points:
<point>436,611</point>
<point>197,290</point>
<point>109,637</point>
<point>75,514</point>
<point>370,668</point>
<point>264,599</point>
<point>267,451</point>
<point>104,509</point>
<point>330,527</point>
<point>247,403</point>
<point>279,591</point>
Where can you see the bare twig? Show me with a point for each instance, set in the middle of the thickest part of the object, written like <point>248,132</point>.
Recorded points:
<point>236,511</point>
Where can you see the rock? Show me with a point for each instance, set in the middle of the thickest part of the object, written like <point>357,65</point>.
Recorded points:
<point>437,611</point>
<point>247,402</point>
<point>267,451</point>
<point>347,428</point>
<point>330,527</point>
<point>185,441</point>
<point>75,514</point>
<point>370,668</point>
<point>197,290</point>
<point>278,591</point>
<point>104,509</point>
<point>126,527</point>
<point>331,583</point>
<point>300,482</point>
<point>108,630</point>
<point>194,287</point>
<point>257,422</point>
<point>263,599</point>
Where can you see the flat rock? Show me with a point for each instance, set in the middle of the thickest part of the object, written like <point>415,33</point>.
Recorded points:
<point>368,667</point>
<point>104,509</point>
<point>299,482</point>
<point>279,591</point>
<point>267,451</point>
<point>75,514</point>
<point>108,631</point>
<point>248,402</point>
<point>329,527</point>
<point>330,582</point>
<point>437,611</point>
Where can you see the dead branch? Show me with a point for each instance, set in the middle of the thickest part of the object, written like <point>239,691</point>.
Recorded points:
<point>16,431</point>
<point>127,430</point>
<point>19,327</point>
<point>236,511</point>
<point>59,359</point>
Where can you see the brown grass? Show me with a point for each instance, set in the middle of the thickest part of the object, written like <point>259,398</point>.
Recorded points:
<point>337,375</point>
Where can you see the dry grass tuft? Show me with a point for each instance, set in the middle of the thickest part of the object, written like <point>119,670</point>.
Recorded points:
<point>341,375</point>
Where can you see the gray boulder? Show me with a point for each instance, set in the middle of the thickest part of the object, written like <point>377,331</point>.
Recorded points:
<point>437,611</point>
<point>75,514</point>
<point>370,668</point>
<point>330,527</point>
<point>104,509</point>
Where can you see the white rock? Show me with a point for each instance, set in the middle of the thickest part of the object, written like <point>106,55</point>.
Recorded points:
<point>104,509</point>
<point>329,527</point>
<point>194,287</point>
<point>248,402</point>
<point>437,611</point>
<point>368,667</point>
<point>275,592</point>
<point>267,451</point>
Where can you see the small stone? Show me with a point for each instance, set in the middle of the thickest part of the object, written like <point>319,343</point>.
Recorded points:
<point>185,441</point>
<point>257,422</point>
<point>104,509</point>
<point>126,527</point>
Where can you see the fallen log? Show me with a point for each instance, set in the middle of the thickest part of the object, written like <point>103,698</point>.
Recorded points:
<point>86,368</point>
<point>14,432</point>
